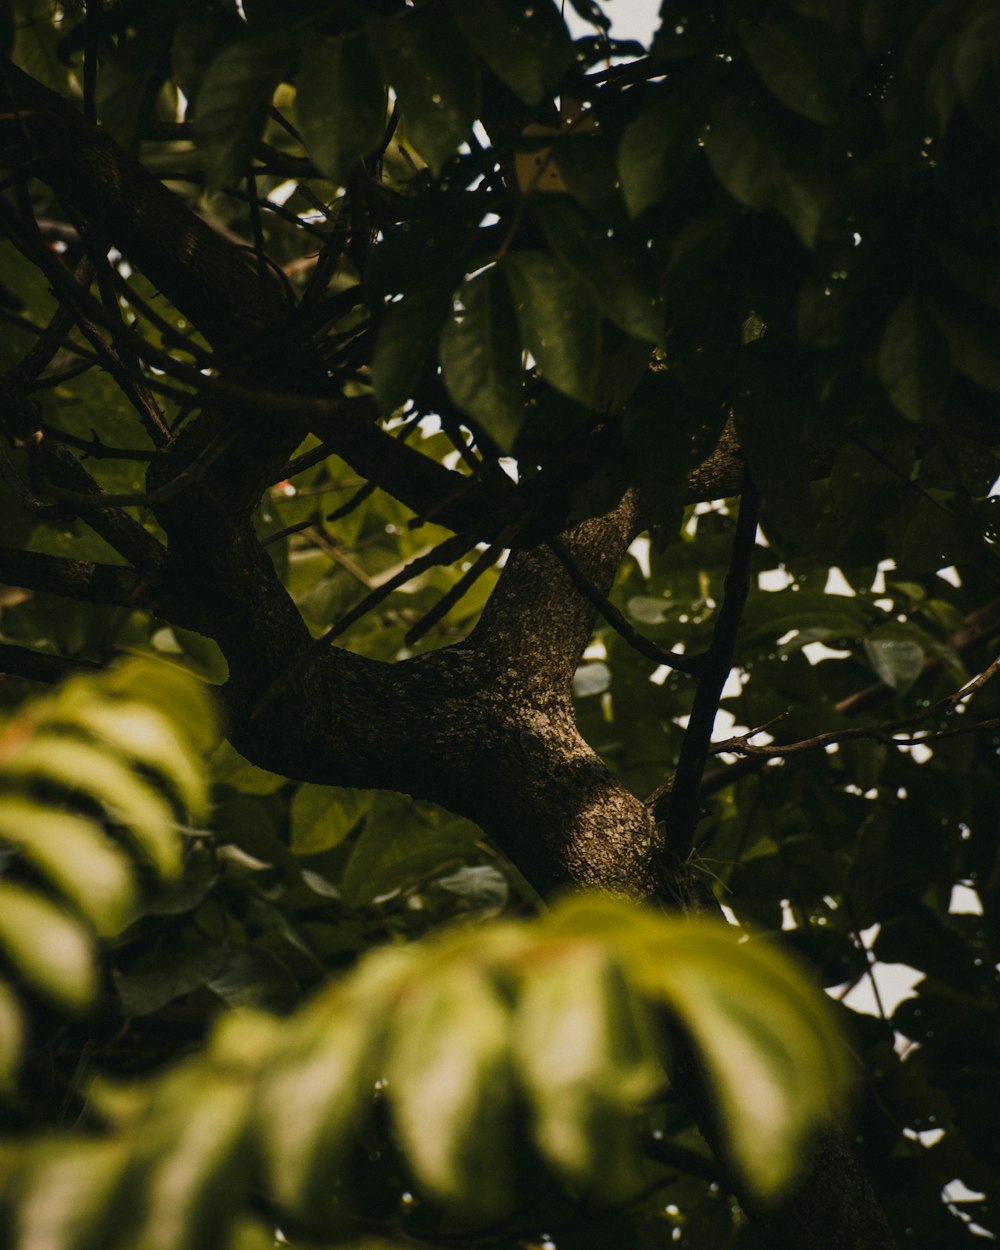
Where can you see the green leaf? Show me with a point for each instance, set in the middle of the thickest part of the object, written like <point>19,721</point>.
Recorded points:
<point>77,856</point>
<point>559,323</point>
<point>765,1037</point>
<point>321,817</point>
<point>427,62</point>
<point>145,990</point>
<point>52,951</point>
<point>770,425</point>
<point>760,169</point>
<point>591,679</point>
<point>190,1164</point>
<point>974,342</point>
<point>668,432</point>
<point>86,768</point>
<point>658,144</point>
<point>524,42</point>
<point>481,357</point>
<point>387,857</point>
<point>68,1189</point>
<point>977,66</point>
<point>806,64</point>
<point>913,362</point>
<point>315,1096</point>
<point>449,1085</point>
<point>615,275</point>
<point>340,103</point>
<point>234,102</point>
<point>11,1038</point>
<point>145,737</point>
<point>897,660</point>
<point>584,1051</point>
<point>229,767</point>
<point>870,478</point>
<point>184,700</point>
<point>405,338</point>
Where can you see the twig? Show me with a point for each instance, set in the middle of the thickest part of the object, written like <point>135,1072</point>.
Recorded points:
<point>93,448</point>
<point>444,553</point>
<point>639,642</point>
<point>191,473</point>
<point>683,802</point>
<point>887,732</point>
<point>461,588</point>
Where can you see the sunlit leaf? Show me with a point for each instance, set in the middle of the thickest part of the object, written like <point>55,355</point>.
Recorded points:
<point>11,1037</point>
<point>763,1034</point>
<point>312,1102</point>
<point>67,1190</point>
<point>584,1051</point>
<point>898,661</point>
<point>322,816</point>
<point>83,768</point>
<point>52,951</point>
<point>77,856</point>
<point>448,1071</point>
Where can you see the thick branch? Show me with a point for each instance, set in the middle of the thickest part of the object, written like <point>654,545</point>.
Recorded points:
<point>37,666</point>
<point>82,580</point>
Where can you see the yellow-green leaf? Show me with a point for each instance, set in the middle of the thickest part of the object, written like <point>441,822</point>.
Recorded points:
<point>85,768</point>
<point>50,950</point>
<point>77,856</point>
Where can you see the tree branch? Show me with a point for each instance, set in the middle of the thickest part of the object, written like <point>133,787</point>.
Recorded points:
<point>682,806</point>
<point>618,622</point>
<point>82,580</point>
<point>212,282</point>
<point>887,732</point>
<point>37,666</point>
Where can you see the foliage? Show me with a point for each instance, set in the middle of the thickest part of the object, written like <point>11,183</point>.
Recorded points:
<point>447,238</point>
<point>464,1035</point>
<point>103,755</point>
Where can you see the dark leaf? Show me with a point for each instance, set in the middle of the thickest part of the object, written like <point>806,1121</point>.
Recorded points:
<point>804,63</point>
<point>913,361</point>
<point>658,144</point>
<point>559,323</point>
<point>614,273</point>
<point>426,60</point>
<point>524,43</point>
<point>234,101</point>
<point>481,357</point>
<point>340,103</point>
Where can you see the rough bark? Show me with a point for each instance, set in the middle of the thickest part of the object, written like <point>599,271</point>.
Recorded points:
<point>486,727</point>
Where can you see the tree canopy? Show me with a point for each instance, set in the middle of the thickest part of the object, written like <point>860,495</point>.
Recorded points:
<point>570,462</point>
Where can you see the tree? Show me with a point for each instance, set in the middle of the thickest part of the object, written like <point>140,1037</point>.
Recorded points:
<point>266,369</point>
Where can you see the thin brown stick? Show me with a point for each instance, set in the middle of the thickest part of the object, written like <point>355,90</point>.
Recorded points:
<point>637,641</point>
<point>683,799</point>
<point>887,732</point>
